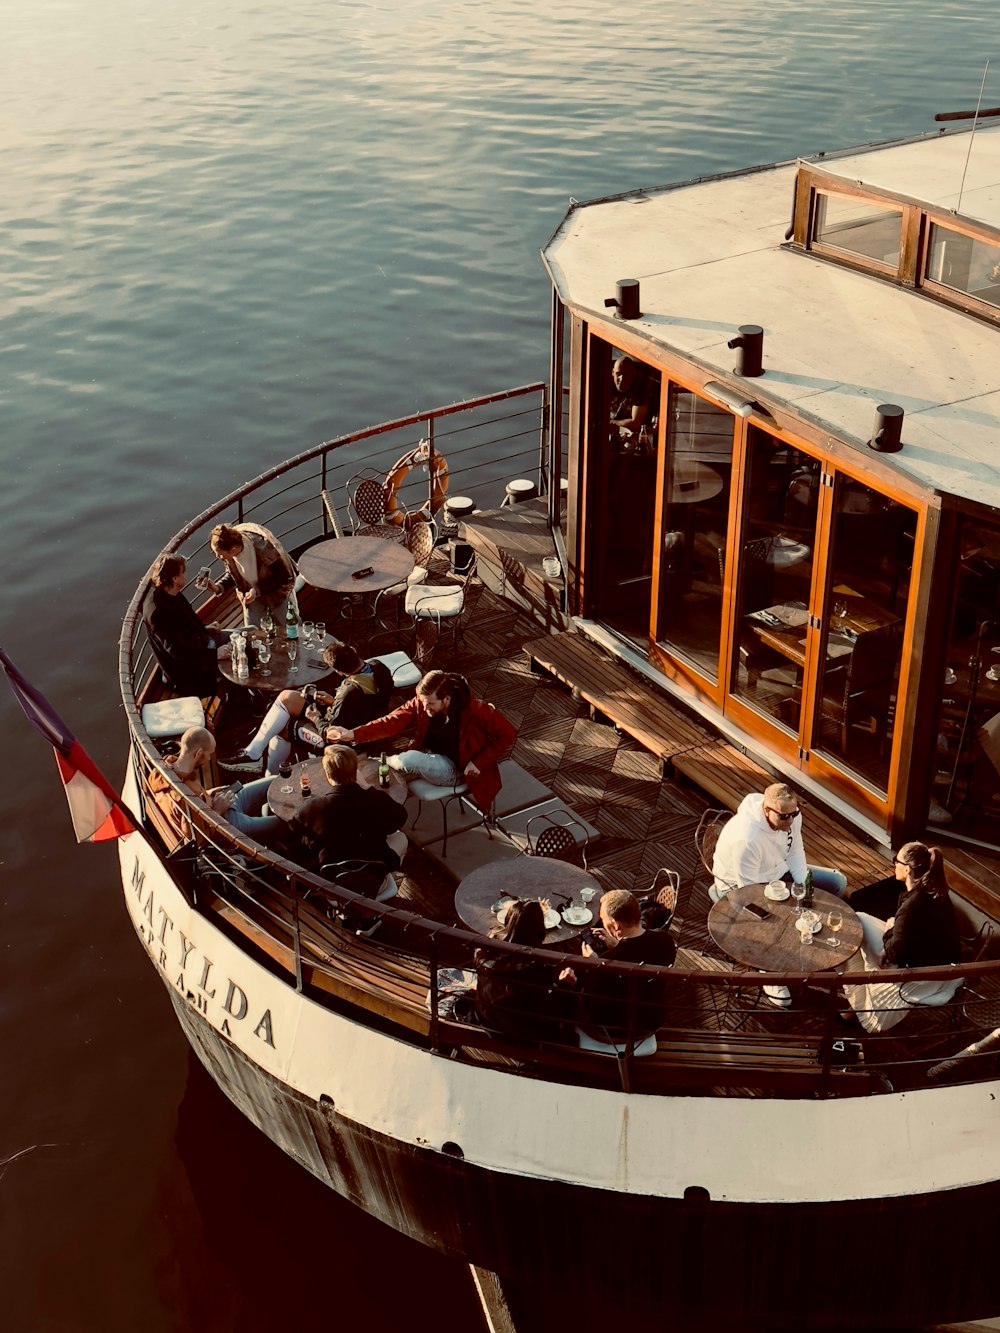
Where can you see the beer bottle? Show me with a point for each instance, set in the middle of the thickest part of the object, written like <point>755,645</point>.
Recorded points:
<point>383,771</point>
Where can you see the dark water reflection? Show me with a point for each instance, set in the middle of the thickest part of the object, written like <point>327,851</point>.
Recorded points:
<point>227,232</point>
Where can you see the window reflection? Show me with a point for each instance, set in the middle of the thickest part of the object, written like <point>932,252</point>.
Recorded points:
<point>699,445</point>
<point>869,582</point>
<point>859,227</point>
<point>773,571</point>
<point>964,264</point>
<point>966,792</point>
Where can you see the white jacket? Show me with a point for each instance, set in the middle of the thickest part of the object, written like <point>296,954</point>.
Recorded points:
<point>749,851</point>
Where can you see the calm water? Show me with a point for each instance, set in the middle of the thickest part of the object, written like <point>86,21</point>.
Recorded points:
<point>229,231</point>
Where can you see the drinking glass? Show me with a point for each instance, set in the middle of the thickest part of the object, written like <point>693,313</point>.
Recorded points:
<point>264,656</point>
<point>267,623</point>
<point>285,772</point>
<point>307,631</point>
<point>319,629</point>
<point>835,919</point>
<point>293,652</point>
<point>798,893</point>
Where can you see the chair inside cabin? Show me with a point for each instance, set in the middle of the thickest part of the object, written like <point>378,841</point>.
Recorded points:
<point>860,691</point>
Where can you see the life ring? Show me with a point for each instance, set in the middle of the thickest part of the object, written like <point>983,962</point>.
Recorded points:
<point>400,470</point>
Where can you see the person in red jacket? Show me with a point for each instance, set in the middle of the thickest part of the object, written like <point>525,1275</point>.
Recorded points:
<point>456,738</point>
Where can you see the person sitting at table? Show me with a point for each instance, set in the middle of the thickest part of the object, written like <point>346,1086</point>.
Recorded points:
<point>603,1011</point>
<point>243,809</point>
<point>183,644</point>
<point>763,842</point>
<point>456,737</point>
<point>629,403</point>
<point>362,694</point>
<point>521,996</point>
<point>349,822</point>
<point>923,933</point>
<point>257,566</point>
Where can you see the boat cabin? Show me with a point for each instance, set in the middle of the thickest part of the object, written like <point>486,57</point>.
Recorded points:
<point>776,401</point>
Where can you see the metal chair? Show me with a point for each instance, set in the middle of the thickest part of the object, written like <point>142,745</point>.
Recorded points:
<point>430,791</point>
<point>436,603</point>
<point>366,505</point>
<point>865,683</point>
<point>360,877</point>
<point>556,839</point>
<point>706,836</point>
<point>420,539</point>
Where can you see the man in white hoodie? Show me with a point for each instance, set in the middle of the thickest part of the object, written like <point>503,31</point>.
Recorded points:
<point>763,842</point>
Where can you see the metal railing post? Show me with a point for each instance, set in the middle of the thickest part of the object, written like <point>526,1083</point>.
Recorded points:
<point>296,934</point>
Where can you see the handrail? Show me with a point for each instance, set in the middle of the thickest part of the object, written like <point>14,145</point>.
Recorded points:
<point>280,883</point>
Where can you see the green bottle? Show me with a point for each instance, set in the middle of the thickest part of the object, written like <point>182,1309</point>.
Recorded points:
<point>383,771</point>
<point>807,901</point>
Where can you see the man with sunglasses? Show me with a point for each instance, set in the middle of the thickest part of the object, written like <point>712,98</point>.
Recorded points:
<point>763,842</point>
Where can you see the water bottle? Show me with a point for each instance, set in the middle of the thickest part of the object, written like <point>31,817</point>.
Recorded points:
<point>240,657</point>
<point>383,771</point>
<point>291,624</point>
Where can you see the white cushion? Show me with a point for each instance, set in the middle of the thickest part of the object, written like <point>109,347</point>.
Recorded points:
<point>433,791</point>
<point>171,717</point>
<point>405,671</point>
<point>645,1047</point>
<point>440,601</point>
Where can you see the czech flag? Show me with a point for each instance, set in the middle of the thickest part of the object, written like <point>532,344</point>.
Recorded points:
<point>95,807</point>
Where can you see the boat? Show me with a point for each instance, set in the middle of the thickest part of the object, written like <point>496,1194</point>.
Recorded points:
<point>801,469</point>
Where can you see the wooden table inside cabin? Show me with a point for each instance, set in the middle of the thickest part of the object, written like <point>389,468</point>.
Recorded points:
<point>285,804</point>
<point>788,638</point>
<point>525,877</point>
<point>774,945</point>
<point>310,664</point>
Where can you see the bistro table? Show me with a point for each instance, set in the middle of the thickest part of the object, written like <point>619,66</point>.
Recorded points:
<point>525,877</point>
<point>332,564</point>
<point>774,945</point>
<point>310,664</point>
<point>286,804</point>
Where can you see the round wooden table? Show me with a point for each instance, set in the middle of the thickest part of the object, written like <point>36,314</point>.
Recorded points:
<point>310,664</point>
<point>525,877</point>
<point>332,564</point>
<point>285,804</point>
<point>774,945</point>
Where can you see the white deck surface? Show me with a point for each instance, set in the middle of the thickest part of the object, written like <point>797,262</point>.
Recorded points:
<point>837,343</point>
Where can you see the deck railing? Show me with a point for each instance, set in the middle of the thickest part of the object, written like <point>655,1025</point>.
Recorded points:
<point>717,1034</point>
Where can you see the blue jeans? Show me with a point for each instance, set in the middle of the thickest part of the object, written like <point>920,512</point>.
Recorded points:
<point>435,768</point>
<point>833,881</point>
<point>245,813</point>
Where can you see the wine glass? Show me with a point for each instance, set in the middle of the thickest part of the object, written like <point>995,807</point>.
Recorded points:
<point>319,629</point>
<point>798,893</point>
<point>835,919</point>
<point>264,656</point>
<point>267,623</point>
<point>285,772</point>
<point>307,631</point>
<point>293,652</point>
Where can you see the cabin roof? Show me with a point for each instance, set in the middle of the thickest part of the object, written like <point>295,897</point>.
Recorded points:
<point>710,255</point>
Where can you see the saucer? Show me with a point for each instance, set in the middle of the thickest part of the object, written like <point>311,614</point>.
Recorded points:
<point>777,892</point>
<point>817,926</point>
<point>577,916</point>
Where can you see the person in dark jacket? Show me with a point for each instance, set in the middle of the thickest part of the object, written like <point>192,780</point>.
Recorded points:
<point>184,645</point>
<point>349,822</point>
<point>603,1009</point>
<point>923,933</point>
<point>362,694</point>
<point>521,996</point>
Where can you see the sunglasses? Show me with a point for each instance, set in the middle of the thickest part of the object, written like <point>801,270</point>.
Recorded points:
<point>782,817</point>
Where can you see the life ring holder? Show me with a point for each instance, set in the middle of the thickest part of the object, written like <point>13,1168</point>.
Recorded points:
<point>400,470</point>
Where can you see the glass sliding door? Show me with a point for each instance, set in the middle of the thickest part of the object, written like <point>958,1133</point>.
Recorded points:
<point>772,568</point>
<point>697,485</point>
<point>868,575</point>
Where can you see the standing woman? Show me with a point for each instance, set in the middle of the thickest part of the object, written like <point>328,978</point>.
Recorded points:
<point>923,933</point>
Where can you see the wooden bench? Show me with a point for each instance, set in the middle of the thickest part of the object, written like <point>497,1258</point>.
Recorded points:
<point>617,694</point>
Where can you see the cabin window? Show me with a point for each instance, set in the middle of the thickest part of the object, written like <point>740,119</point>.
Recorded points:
<point>966,794</point>
<point>858,227</point>
<point>964,264</point>
<point>699,463</point>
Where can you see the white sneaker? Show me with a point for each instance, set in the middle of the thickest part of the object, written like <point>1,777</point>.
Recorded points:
<point>779,996</point>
